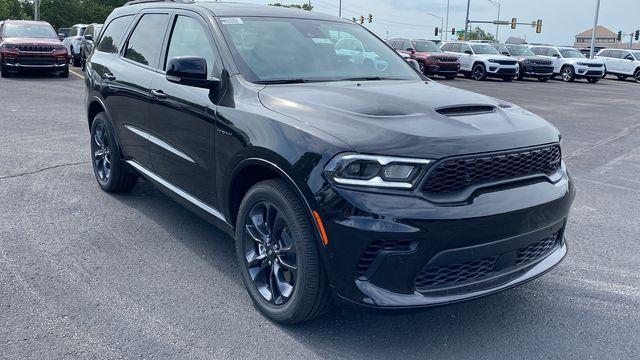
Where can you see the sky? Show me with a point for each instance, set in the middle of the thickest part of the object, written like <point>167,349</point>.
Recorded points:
<point>562,19</point>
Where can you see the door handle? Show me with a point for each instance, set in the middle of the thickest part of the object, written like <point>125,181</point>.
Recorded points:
<point>109,76</point>
<point>159,94</point>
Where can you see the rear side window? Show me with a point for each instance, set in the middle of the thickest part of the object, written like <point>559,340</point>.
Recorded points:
<point>189,38</point>
<point>89,30</point>
<point>539,51</point>
<point>73,31</point>
<point>605,53</point>
<point>145,42</point>
<point>110,41</point>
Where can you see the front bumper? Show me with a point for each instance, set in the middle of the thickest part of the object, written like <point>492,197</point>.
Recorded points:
<point>394,251</point>
<point>444,68</point>
<point>537,70</point>
<point>589,72</point>
<point>44,61</point>
<point>498,70</point>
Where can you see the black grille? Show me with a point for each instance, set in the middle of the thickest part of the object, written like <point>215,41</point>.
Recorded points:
<point>506,71</point>
<point>35,48</point>
<point>504,62</point>
<point>540,69</point>
<point>376,247</point>
<point>466,110</point>
<point>539,62</point>
<point>456,174</point>
<point>593,73</point>
<point>36,60</point>
<point>534,251</point>
<point>446,59</point>
<point>594,65</point>
<point>432,277</point>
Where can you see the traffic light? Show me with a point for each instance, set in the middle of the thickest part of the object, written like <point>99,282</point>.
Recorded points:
<point>538,26</point>
<point>361,19</point>
<point>637,35</point>
<point>514,22</point>
<point>354,19</point>
<point>437,31</point>
<point>453,31</point>
<point>370,18</point>
<point>619,35</point>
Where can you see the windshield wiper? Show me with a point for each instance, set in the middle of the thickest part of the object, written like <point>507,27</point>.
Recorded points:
<point>283,81</point>
<point>369,78</point>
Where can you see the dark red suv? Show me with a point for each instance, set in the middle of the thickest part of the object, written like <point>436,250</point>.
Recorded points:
<point>31,45</point>
<point>432,60</point>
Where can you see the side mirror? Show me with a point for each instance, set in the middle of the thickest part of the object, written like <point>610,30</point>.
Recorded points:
<point>506,53</point>
<point>468,52</point>
<point>61,36</point>
<point>556,55</point>
<point>410,49</point>
<point>190,71</point>
<point>414,63</point>
<point>88,37</point>
<point>413,52</point>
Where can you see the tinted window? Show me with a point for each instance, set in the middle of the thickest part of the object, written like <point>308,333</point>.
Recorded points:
<point>519,50</point>
<point>73,31</point>
<point>617,54</point>
<point>276,49</point>
<point>145,42</point>
<point>42,31</point>
<point>552,52</point>
<point>189,38</point>
<point>110,41</point>
<point>89,30</point>
<point>426,46</point>
<point>465,47</point>
<point>484,49</point>
<point>604,53</point>
<point>571,54</point>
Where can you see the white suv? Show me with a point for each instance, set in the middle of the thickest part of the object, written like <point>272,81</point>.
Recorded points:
<point>479,61</point>
<point>72,42</point>
<point>622,63</point>
<point>571,64</point>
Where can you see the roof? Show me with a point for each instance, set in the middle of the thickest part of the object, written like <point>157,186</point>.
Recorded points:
<point>226,9</point>
<point>600,31</point>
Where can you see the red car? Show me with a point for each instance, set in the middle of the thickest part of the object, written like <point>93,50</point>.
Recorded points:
<point>432,60</point>
<point>31,45</point>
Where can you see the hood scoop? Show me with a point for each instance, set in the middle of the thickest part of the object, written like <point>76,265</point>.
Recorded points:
<point>465,110</point>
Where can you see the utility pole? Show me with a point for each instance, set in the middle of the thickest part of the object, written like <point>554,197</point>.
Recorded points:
<point>466,21</point>
<point>441,24</point>
<point>340,9</point>
<point>595,25</point>
<point>446,25</point>
<point>497,26</point>
<point>36,12</point>
<point>630,41</point>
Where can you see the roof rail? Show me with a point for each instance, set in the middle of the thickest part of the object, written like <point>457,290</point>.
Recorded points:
<point>134,2</point>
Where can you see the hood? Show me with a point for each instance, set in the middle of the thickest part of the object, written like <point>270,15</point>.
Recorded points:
<point>431,54</point>
<point>408,118</point>
<point>525,57</point>
<point>31,41</point>
<point>494,56</point>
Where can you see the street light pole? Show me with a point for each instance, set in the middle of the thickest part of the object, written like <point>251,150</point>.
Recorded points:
<point>595,25</point>
<point>340,9</point>
<point>466,21</point>
<point>497,26</point>
<point>36,10</point>
<point>446,25</point>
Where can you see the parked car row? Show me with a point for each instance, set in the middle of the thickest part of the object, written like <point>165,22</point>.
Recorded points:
<point>480,60</point>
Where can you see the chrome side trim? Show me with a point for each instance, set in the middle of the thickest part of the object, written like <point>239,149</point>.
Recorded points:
<point>159,142</point>
<point>185,195</point>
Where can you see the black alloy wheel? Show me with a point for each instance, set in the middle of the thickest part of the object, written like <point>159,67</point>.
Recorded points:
<point>270,253</point>
<point>101,149</point>
<point>423,68</point>
<point>479,73</point>
<point>277,250</point>
<point>637,75</point>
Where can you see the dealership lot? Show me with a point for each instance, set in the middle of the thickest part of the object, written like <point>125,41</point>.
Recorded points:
<point>88,274</point>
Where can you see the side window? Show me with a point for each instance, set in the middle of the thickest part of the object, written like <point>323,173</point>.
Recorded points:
<point>110,41</point>
<point>552,52</point>
<point>446,47</point>
<point>604,53</point>
<point>89,30</point>
<point>145,42</point>
<point>465,47</point>
<point>190,38</point>
<point>73,31</point>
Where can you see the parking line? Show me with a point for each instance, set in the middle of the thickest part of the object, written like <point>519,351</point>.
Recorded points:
<point>76,74</point>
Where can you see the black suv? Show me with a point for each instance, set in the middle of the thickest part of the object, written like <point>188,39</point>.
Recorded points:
<point>339,178</point>
<point>531,65</point>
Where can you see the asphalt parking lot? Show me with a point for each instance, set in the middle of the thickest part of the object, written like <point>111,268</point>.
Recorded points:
<point>84,274</point>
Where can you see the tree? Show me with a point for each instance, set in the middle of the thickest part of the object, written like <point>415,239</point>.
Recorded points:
<point>477,34</point>
<point>306,6</point>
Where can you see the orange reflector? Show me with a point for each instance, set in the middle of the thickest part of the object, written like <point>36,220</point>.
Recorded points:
<point>323,233</point>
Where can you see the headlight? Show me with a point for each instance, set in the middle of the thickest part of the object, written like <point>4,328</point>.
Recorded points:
<point>493,61</point>
<point>583,64</point>
<point>375,171</point>
<point>9,47</point>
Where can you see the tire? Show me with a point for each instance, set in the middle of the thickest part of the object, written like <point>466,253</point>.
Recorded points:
<point>543,79</point>
<point>593,80</point>
<point>467,75</point>
<point>75,59</point>
<point>567,74</point>
<point>621,77</point>
<point>307,285</point>
<point>507,79</point>
<point>4,72</point>
<point>116,177</point>
<point>64,73</point>
<point>479,73</point>
<point>423,68</point>
<point>637,75</point>
<point>520,73</point>
<point>450,77</point>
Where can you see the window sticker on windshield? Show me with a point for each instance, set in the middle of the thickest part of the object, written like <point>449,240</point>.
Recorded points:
<point>322,41</point>
<point>232,21</point>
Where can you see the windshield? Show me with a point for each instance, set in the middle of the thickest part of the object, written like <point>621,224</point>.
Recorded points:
<point>571,54</point>
<point>519,50</point>
<point>636,54</point>
<point>297,50</point>
<point>43,31</point>
<point>484,49</point>
<point>426,46</point>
